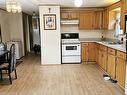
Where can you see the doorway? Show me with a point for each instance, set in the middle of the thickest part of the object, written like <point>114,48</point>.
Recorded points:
<point>31,32</point>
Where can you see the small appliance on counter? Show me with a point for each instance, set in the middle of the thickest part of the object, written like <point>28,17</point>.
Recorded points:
<point>71,48</point>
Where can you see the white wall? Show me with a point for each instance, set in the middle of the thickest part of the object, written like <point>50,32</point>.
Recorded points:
<point>82,33</point>
<point>4,22</point>
<point>50,39</point>
<point>16,28</point>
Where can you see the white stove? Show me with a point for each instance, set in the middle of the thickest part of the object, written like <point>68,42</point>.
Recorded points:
<point>71,48</point>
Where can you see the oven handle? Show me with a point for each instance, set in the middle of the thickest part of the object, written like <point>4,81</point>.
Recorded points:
<point>70,43</point>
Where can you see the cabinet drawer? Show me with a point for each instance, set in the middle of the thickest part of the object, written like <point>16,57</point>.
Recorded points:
<point>104,48</point>
<point>100,47</point>
<point>97,46</point>
<point>111,51</point>
<point>84,44</point>
<point>121,55</point>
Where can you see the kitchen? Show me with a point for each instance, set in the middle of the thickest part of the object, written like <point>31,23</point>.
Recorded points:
<point>83,37</point>
<point>88,35</point>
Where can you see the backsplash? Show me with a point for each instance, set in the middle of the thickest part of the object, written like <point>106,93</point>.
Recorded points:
<point>82,33</point>
<point>108,34</point>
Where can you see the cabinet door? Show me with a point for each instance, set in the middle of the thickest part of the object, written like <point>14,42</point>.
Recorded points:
<point>97,53</point>
<point>86,20</point>
<point>123,12</point>
<point>120,71</point>
<point>73,15</point>
<point>64,15</point>
<point>104,60</point>
<point>100,58</point>
<point>125,5</point>
<point>91,52</point>
<point>111,65</point>
<point>84,52</point>
<point>97,19</point>
<point>69,15</point>
<point>105,19</point>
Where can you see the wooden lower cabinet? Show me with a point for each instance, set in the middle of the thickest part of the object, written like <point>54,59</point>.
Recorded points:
<point>88,52</point>
<point>110,60</point>
<point>91,54</point>
<point>111,63</point>
<point>97,53</point>
<point>103,57</point>
<point>100,58</point>
<point>84,50</point>
<point>121,68</point>
<point>104,60</point>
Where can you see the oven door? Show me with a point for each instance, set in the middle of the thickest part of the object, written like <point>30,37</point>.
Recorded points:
<point>70,49</point>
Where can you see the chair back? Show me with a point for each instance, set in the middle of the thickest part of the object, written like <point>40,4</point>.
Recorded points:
<point>12,58</point>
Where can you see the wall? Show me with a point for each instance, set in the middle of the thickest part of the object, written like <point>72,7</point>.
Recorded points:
<point>28,37</point>
<point>4,26</point>
<point>16,28</point>
<point>50,39</point>
<point>82,33</point>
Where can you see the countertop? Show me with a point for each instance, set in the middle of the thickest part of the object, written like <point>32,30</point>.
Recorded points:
<point>120,47</point>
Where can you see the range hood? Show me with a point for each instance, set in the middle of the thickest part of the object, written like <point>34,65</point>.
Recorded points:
<point>70,22</point>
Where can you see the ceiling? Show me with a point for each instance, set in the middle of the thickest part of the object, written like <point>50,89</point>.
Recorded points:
<point>30,6</point>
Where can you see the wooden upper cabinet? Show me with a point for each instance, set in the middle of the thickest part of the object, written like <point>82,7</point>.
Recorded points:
<point>64,15</point>
<point>69,15</point>
<point>98,19</point>
<point>125,5</point>
<point>74,15</point>
<point>123,12</point>
<point>86,20</point>
<point>105,18</point>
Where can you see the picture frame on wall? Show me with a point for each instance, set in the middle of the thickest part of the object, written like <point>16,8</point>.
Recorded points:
<point>49,21</point>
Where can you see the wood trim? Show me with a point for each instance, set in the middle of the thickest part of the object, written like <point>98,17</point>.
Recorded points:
<point>81,9</point>
<point>114,6</point>
<point>111,51</point>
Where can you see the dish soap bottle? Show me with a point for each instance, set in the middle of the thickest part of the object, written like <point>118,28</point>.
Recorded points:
<point>102,36</point>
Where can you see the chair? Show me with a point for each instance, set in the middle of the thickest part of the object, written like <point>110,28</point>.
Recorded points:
<point>10,66</point>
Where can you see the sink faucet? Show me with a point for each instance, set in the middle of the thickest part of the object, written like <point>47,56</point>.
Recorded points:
<point>121,37</point>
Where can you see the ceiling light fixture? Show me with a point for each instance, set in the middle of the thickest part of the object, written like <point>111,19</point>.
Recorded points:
<point>78,3</point>
<point>13,6</point>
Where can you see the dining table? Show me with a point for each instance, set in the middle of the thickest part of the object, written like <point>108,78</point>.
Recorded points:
<point>4,53</point>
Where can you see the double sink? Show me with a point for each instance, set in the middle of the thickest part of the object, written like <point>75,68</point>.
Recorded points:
<point>112,43</point>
